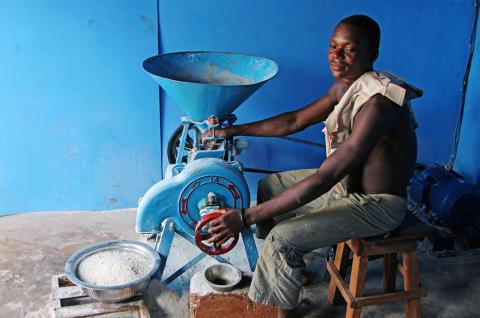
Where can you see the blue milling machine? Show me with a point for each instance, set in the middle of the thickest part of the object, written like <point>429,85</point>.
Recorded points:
<point>203,174</point>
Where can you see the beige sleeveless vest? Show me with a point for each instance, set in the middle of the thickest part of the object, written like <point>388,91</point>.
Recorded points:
<point>339,123</point>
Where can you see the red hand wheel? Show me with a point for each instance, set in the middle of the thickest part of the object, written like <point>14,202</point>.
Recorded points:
<point>200,237</point>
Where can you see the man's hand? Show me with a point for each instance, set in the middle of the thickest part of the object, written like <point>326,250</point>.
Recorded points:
<point>207,134</point>
<point>225,226</point>
<point>214,132</point>
<point>215,143</point>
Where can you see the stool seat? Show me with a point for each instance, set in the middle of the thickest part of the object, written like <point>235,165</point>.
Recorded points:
<point>402,240</point>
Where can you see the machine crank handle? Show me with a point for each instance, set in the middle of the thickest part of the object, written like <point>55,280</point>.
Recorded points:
<point>200,237</point>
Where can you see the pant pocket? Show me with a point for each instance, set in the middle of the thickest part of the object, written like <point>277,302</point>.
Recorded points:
<point>363,199</point>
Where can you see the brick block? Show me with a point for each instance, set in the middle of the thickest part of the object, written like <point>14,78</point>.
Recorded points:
<point>206,302</point>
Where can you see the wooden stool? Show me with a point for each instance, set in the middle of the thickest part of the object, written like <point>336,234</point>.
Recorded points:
<point>403,240</point>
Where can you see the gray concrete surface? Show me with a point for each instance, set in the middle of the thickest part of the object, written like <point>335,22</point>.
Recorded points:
<point>35,246</point>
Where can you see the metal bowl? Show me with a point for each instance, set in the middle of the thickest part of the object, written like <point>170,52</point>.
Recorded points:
<point>118,292</point>
<point>222,277</point>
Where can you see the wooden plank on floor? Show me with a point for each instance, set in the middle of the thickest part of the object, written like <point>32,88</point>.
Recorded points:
<point>70,301</point>
<point>125,309</point>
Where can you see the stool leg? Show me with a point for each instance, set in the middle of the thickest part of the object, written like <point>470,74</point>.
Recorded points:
<point>389,272</point>
<point>341,260</point>
<point>411,282</point>
<point>357,283</point>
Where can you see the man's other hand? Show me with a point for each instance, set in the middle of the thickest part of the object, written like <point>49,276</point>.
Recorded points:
<point>207,134</point>
<point>225,226</point>
<point>214,133</point>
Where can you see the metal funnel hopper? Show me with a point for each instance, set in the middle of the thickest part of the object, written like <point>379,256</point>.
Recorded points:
<point>208,84</point>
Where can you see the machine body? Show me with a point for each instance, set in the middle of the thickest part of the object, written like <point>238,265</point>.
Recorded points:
<point>203,175</point>
<point>183,195</point>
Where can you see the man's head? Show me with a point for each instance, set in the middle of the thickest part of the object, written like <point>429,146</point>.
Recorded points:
<point>353,47</point>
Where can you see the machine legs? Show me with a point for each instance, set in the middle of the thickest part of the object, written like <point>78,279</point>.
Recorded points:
<point>163,244</point>
<point>250,248</point>
<point>165,239</point>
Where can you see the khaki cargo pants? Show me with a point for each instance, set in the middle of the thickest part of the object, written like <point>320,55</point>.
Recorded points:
<point>326,221</point>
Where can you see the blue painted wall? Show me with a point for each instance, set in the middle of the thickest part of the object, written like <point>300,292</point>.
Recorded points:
<point>79,124</point>
<point>468,155</point>
<point>424,42</point>
<point>79,127</point>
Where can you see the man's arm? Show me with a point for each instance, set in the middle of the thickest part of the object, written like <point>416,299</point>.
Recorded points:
<point>286,123</point>
<point>371,123</point>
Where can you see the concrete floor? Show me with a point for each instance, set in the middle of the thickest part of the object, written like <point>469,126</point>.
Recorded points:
<point>35,246</point>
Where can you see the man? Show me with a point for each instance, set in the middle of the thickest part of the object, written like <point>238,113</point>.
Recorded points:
<point>358,191</point>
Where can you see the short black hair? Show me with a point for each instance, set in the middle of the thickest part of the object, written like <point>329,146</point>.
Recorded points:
<point>368,26</point>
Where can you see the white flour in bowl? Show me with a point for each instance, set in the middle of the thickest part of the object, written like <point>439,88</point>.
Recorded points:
<point>113,267</point>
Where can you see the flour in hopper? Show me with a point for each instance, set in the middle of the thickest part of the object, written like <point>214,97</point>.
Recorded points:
<point>227,78</point>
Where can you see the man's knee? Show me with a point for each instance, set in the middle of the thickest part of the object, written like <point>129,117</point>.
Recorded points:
<point>264,190</point>
<point>263,228</point>
<point>285,233</point>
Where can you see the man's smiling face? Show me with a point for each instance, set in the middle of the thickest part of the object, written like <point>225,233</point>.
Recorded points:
<point>349,53</point>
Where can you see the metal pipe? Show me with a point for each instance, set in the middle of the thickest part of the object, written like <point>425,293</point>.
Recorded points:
<point>306,142</point>
<point>255,170</point>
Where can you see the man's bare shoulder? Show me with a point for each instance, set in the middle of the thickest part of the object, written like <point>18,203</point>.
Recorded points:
<point>377,115</point>
<point>337,90</point>
<point>382,104</point>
